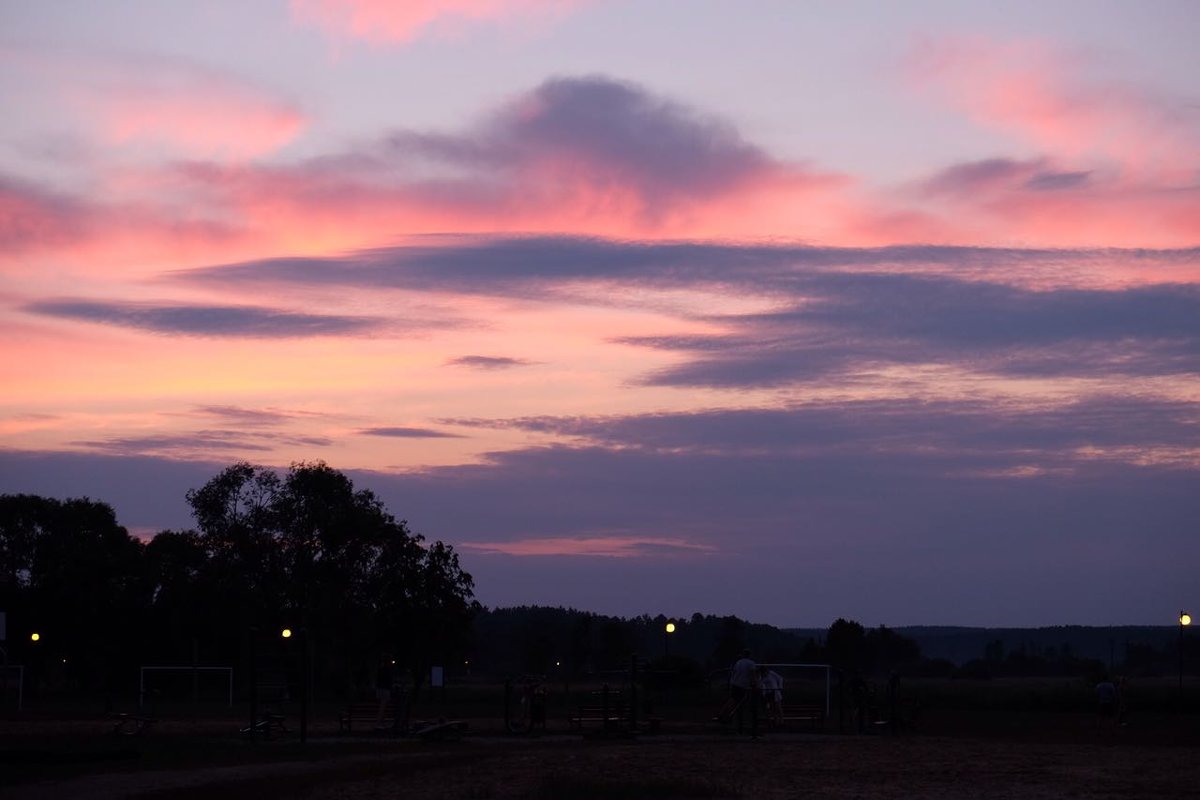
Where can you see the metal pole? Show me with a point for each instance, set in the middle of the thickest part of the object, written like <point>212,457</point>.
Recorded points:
<point>1181,661</point>
<point>306,678</point>
<point>195,677</point>
<point>253,685</point>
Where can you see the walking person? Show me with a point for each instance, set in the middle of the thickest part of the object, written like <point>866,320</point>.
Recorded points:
<point>743,692</point>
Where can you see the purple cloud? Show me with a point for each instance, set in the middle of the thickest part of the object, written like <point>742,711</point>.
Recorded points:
<point>408,433</point>
<point>488,362</point>
<point>208,321</point>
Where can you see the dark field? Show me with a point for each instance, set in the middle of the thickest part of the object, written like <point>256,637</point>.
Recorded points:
<point>987,749</point>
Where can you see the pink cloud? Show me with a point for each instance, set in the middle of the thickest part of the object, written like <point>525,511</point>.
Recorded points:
<point>594,546</point>
<point>1063,103</point>
<point>32,217</point>
<point>1115,163</point>
<point>386,21</point>
<point>586,155</point>
<point>1044,202</point>
<point>203,120</point>
<point>155,106</point>
<point>189,113</point>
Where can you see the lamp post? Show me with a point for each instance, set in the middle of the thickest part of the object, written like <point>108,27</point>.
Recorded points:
<point>668,629</point>
<point>1185,619</point>
<point>305,676</point>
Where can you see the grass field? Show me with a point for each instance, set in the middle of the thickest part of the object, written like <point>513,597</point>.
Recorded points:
<point>967,744</point>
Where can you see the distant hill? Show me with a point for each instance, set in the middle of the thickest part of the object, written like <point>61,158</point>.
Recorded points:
<point>961,644</point>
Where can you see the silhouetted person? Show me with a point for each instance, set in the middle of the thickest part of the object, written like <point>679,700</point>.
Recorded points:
<point>771,683</point>
<point>1106,701</point>
<point>743,688</point>
<point>860,698</point>
<point>1122,701</point>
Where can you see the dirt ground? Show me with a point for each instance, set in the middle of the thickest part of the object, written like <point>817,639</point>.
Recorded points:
<point>698,765</point>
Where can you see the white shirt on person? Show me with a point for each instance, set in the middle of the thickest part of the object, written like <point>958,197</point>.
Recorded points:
<point>744,670</point>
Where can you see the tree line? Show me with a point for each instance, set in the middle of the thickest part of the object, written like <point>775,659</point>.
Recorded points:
<point>303,550</point>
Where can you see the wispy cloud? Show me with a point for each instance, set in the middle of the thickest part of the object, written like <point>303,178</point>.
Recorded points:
<point>31,216</point>
<point>383,21</point>
<point>206,444</point>
<point>208,321</point>
<point>254,417</point>
<point>594,546</point>
<point>1071,103</point>
<point>487,362</point>
<point>157,105</point>
<point>408,433</point>
<point>518,265</point>
<point>999,434</point>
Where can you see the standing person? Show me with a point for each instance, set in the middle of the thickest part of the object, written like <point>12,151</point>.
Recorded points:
<point>772,693</point>
<point>1106,701</point>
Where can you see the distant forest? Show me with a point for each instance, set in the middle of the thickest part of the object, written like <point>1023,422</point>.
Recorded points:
<point>541,639</point>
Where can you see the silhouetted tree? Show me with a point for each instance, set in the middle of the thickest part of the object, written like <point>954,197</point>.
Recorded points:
<point>69,572</point>
<point>845,645</point>
<point>309,550</point>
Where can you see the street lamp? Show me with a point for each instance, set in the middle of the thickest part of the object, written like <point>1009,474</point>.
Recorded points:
<point>1185,619</point>
<point>35,637</point>
<point>668,629</point>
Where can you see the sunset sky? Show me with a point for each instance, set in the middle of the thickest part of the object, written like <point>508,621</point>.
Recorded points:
<point>789,310</point>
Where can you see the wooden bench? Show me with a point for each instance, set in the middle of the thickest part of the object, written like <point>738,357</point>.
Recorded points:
<point>367,713</point>
<point>613,714</point>
<point>814,715</point>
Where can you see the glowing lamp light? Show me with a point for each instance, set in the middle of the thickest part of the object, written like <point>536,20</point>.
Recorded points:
<point>1185,618</point>
<point>670,627</point>
<point>35,637</point>
<point>286,633</point>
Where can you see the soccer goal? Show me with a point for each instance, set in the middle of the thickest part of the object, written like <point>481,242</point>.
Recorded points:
<point>12,684</point>
<point>810,684</point>
<point>185,683</point>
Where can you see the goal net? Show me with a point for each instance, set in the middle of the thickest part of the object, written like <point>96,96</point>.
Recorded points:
<point>185,684</point>
<point>805,684</point>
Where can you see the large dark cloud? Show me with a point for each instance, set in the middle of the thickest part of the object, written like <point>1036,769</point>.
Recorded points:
<point>207,321</point>
<point>840,309</point>
<point>521,266</point>
<point>848,322</point>
<point>609,135</point>
<point>991,435</point>
<point>531,265</point>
